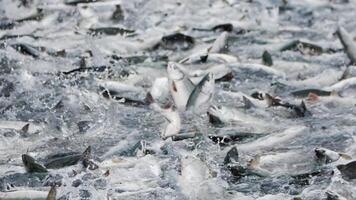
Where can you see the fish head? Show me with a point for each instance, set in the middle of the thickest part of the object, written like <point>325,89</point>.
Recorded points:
<point>208,84</point>
<point>320,153</point>
<point>174,72</point>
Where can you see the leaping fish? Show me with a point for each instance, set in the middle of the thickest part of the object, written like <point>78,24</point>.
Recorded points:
<point>202,94</point>
<point>180,86</point>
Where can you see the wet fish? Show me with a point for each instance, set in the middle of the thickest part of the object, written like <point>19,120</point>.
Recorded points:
<point>196,58</point>
<point>173,119</point>
<point>180,86</point>
<point>202,95</point>
<point>304,93</point>
<point>333,196</point>
<point>218,28</point>
<point>109,31</point>
<point>220,44</point>
<point>348,170</point>
<point>31,165</point>
<point>33,17</point>
<point>26,49</point>
<point>348,43</point>
<point>300,110</point>
<point>87,69</point>
<point>6,24</point>
<point>27,194</point>
<point>303,47</point>
<point>327,156</point>
<point>177,41</point>
<point>76,2</point>
<point>183,136</point>
<point>61,160</point>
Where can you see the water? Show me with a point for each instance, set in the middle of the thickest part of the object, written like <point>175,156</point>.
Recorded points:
<point>67,111</point>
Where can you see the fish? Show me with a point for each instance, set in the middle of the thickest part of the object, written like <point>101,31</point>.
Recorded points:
<point>26,194</point>
<point>31,165</point>
<point>228,27</point>
<point>6,24</point>
<point>183,136</point>
<point>196,58</point>
<point>26,49</point>
<point>333,196</point>
<point>22,180</point>
<point>173,119</point>
<point>222,58</point>
<point>180,86</point>
<point>348,170</point>
<point>76,2</point>
<point>303,47</point>
<point>32,17</point>
<point>305,92</point>
<point>52,193</point>
<point>220,44</point>
<point>61,160</point>
<point>348,43</point>
<point>87,69</point>
<point>220,72</point>
<point>327,156</point>
<point>177,41</point>
<point>299,110</point>
<point>202,95</point>
<point>229,115</point>
<point>344,87</point>
<point>160,90</point>
<point>109,31</point>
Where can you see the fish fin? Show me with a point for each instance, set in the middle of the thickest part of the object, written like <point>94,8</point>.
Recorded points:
<point>87,153</point>
<point>345,156</point>
<point>247,102</point>
<point>52,193</point>
<point>25,128</point>
<point>149,98</point>
<point>302,104</point>
<point>345,74</point>
<point>174,87</point>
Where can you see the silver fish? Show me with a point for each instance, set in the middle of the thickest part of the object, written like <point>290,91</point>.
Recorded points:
<point>202,94</point>
<point>180,85</point>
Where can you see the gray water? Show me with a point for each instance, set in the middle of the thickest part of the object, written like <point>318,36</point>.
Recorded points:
<point>67,112</point>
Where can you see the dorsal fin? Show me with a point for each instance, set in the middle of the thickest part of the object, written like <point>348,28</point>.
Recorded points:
<point>87,153</point>
<point>247,102</point>
<point>345,156</point>
<point>52,193</point>
<point>25,128</point>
